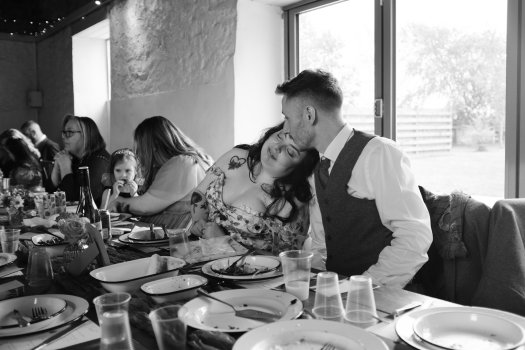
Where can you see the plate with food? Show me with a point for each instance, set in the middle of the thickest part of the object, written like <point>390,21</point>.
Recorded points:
<point>119,216</point>
<point>250,268</point>
<point>208,314</point>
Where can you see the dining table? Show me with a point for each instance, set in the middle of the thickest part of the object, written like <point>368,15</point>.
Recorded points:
<point>87,334</point>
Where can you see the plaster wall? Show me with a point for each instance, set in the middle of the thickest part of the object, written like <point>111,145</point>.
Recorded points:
<point>55,80</point>
<point>259,67</point>
<point>17,77</point>
<point>175,59</point>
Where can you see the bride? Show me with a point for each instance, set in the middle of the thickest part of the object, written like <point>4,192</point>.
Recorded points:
<point>254,192</point>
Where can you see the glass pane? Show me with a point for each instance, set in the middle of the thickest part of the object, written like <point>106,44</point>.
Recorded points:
<point>339,38</point>
<point>450,102</point>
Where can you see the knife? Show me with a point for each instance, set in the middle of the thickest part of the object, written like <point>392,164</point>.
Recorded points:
<point>61,334</point>
<point>401,310</point>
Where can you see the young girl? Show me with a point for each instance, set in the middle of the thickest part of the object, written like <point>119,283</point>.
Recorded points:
<point>121,179</point>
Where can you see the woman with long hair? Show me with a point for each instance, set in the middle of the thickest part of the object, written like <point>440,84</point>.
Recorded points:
<point>256,193</point>
<point>24,159</point>
<point>83,146</point>
<point>172,166</point>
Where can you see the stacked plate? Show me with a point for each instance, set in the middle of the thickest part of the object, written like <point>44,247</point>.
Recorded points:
<point>143,236</point>
<point>462,328</point>
<point>60,310</point>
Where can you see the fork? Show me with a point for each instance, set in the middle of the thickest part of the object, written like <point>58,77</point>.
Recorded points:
<point>39,313</point>
<point>328,346</point>
<point>231,267</point>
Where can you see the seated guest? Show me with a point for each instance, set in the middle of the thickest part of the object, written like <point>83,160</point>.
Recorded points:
<point>47,148</point>
<point>83,146</point>
<point>121,178</point>
<point>254,192</point>
<point>368,209</point>
<point>25,167</point>
<point>172,165</point>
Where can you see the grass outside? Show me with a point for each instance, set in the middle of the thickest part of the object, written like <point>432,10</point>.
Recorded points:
<point>481,174</point>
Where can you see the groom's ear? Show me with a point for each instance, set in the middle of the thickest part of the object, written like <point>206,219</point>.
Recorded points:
<point>310,115</point>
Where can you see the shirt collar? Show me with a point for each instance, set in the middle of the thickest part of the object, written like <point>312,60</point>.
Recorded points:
<point>41,139</point>
<point>337,144</point>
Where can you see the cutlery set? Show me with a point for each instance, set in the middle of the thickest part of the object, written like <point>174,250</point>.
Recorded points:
<point>39,314</point>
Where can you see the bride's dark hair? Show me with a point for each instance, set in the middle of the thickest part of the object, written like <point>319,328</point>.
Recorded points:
<point>294,186</point>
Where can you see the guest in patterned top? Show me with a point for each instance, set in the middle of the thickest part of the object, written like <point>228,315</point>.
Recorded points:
<point>254,192</point>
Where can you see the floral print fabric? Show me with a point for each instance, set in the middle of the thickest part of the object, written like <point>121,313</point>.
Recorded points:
<point>249,227</point>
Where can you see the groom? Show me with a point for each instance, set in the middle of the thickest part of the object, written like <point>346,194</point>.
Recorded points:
<point>367,208</point>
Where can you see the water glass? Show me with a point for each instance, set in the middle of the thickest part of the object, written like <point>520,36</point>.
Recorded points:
<point>39,273</point>
<point>328,304</point>
<point>170,330</point>
<point>112,313</point>
<point>179,245</point>
<point>360,302</point>
<point>9,240</point>
<point>296,269</point>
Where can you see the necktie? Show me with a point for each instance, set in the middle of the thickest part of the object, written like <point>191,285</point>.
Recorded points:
<point>324,165</point>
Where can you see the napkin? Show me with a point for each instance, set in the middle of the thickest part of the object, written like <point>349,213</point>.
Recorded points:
<point>38,221</point>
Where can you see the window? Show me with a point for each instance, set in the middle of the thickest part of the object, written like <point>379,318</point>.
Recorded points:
<point>440,70</point>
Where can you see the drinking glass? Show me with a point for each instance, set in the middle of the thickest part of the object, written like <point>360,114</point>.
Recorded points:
<point>39,274</point>
<point>179,245</point>
<point>9,240</point>
<point>112,313</point>
<point>328,304</point>
<point>360,302</point>
<point>296,269</point>
<point>170,330</point>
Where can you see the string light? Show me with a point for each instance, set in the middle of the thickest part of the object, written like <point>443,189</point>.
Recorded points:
<point>40,26</point>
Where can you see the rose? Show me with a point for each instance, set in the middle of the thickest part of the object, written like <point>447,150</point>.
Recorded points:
<point>73,228</point>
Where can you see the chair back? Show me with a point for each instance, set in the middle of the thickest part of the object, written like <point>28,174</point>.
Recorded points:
<point>502,284</point>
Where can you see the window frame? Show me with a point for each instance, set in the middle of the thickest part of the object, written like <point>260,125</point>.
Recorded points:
<point>385,79</point>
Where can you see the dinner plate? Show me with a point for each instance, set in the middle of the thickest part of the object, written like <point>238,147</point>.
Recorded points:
<point>53,305</point>
<point>308,334</point>
<point>6,259</point>
<point>125,239</point>
<point>259,260</point>
<point>208,314</point>
<point>250,266</point>
<point>76,308</point>
<point>468,329</point>
<point>405,324</point>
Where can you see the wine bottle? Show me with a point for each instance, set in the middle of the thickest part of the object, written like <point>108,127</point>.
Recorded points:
<point>86,205</point>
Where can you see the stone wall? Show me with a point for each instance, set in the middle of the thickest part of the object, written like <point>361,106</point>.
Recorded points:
<point>175,59</point>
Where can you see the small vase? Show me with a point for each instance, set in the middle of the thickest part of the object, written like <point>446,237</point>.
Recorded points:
<point>73,250</point>
<point>16,217</point>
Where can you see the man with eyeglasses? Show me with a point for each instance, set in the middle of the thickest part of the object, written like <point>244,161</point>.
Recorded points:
<point>48,149</point>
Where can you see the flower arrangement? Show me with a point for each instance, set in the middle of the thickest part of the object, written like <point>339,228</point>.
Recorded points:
<point>72,227</point>
<point>18,203</point>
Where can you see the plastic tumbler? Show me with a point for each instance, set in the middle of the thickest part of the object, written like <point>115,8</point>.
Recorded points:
<point>328,304</point>
<point>296,269</point>
<point>170,330</point>
<point>112,313</point>
<point>39,274</point>
<point>179,246</point>
<point>9,240</point>
<point>360,302</point>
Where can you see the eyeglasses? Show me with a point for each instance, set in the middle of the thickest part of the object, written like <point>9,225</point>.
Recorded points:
<point>68,133</point>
